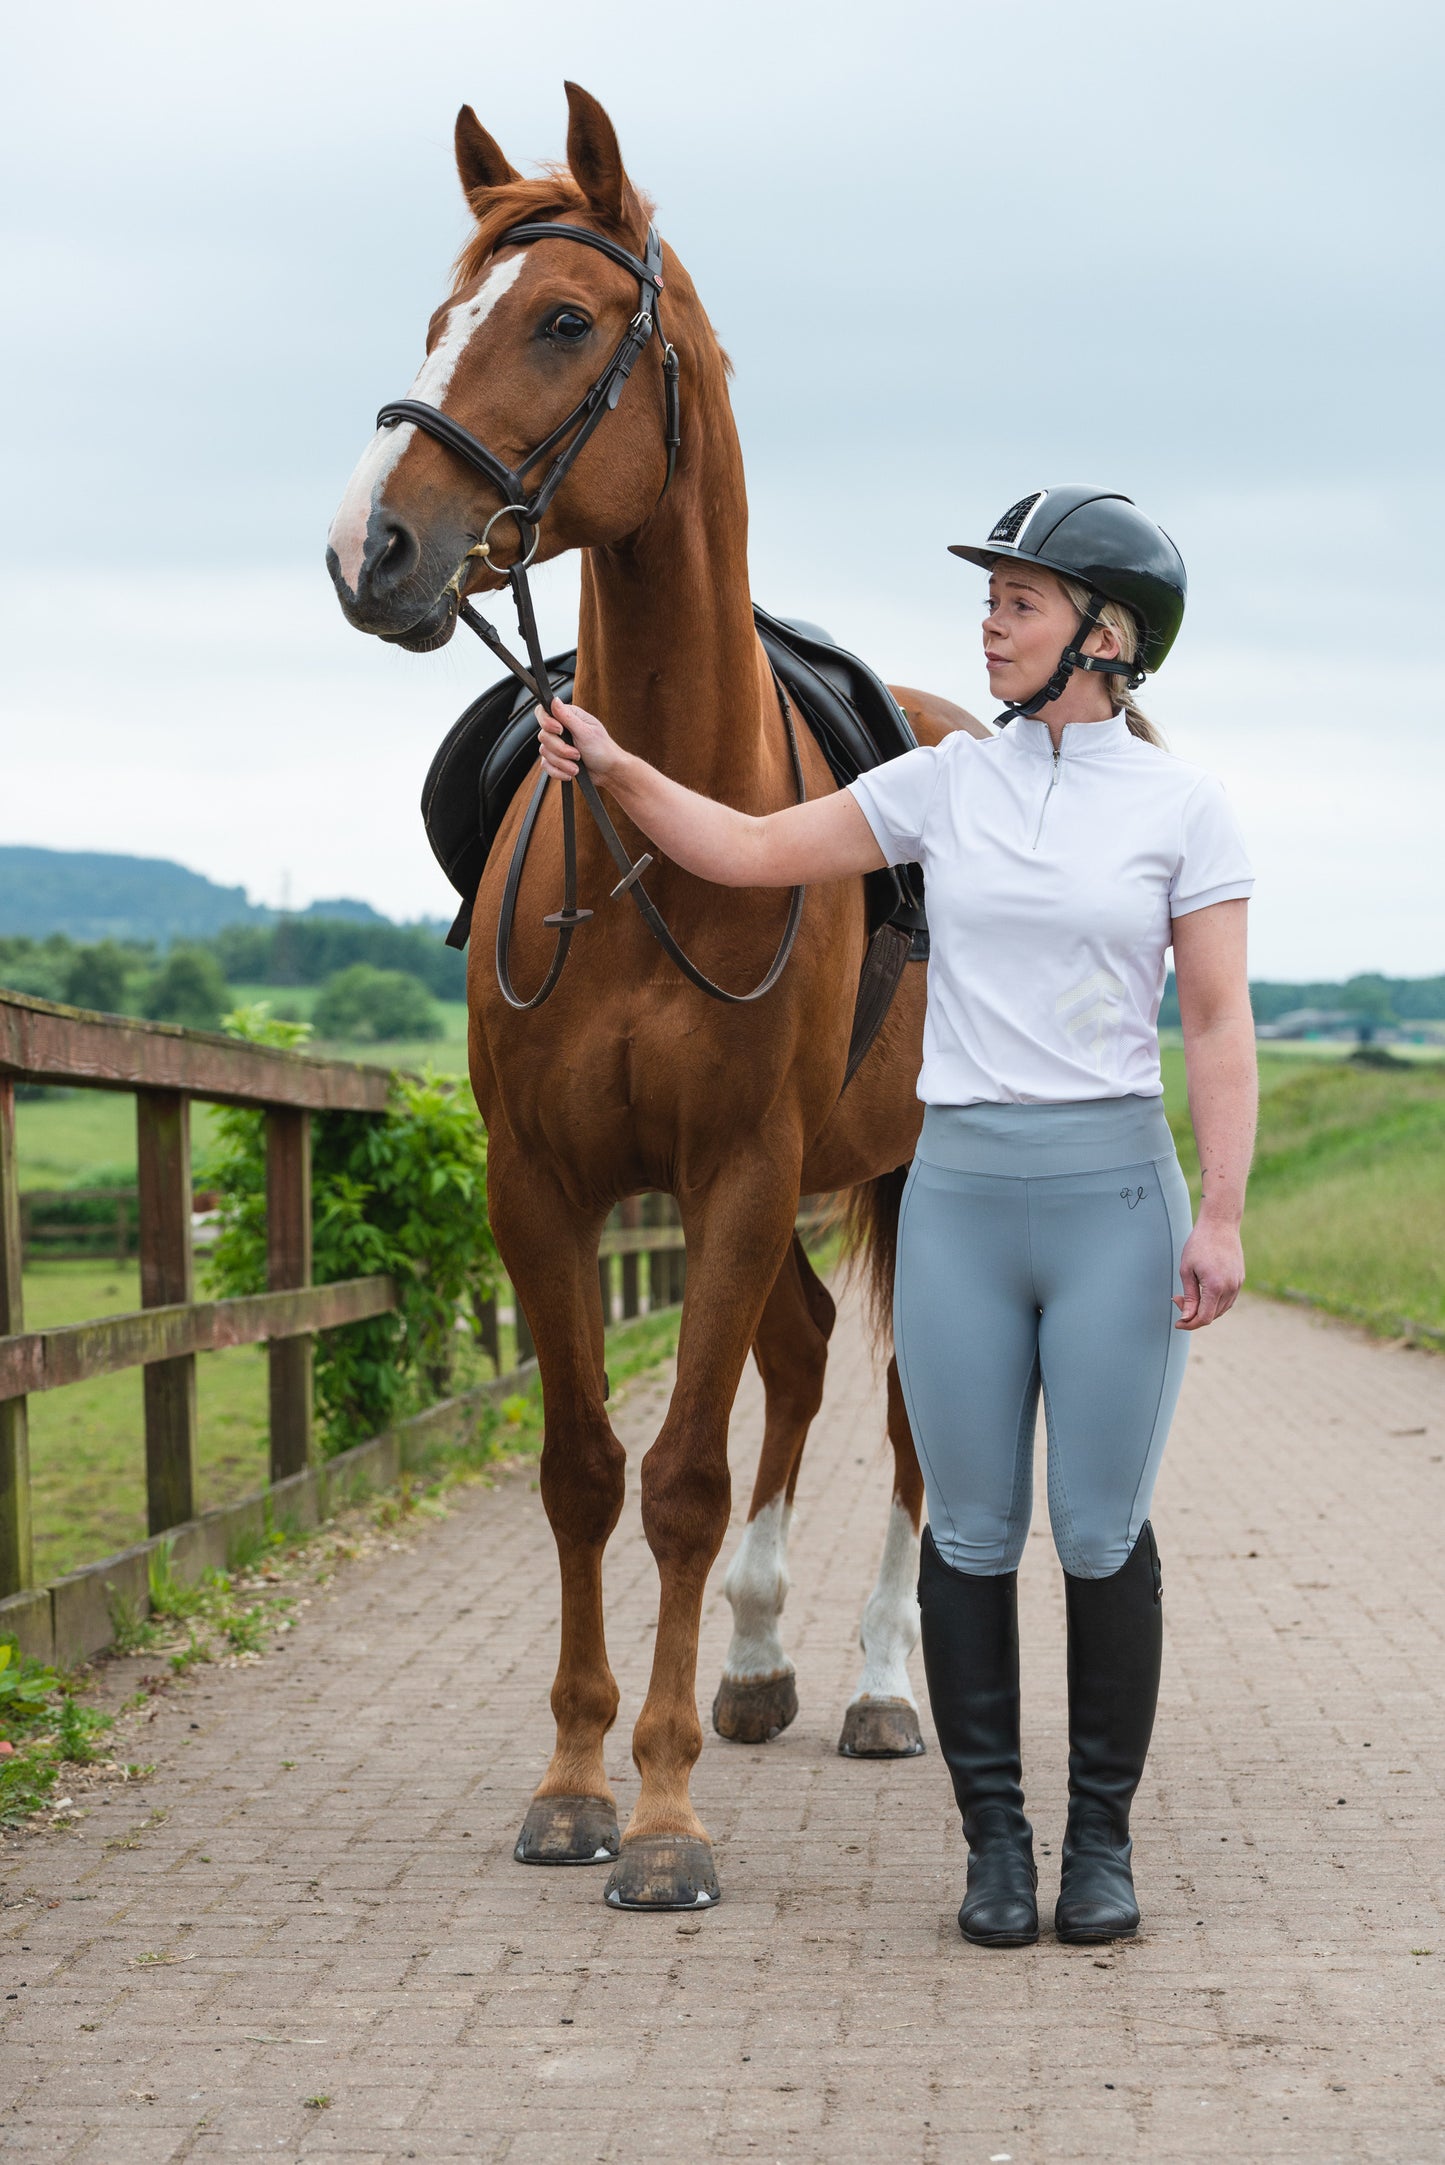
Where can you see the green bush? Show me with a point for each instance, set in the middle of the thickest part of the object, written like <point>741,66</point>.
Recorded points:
<point>363,1002</point>
<point>38,967</point>
<point>403,1193</point>
<point>188,988</point>
<point>96,977</point>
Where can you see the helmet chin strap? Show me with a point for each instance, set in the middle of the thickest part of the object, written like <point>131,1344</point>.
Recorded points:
<point>1071,659</point>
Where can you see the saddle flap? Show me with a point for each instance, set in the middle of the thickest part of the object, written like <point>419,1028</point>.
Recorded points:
<point>479,766</point>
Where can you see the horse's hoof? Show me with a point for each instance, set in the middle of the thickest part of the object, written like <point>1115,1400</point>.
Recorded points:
<point>664,1871</point>
<point>881,1729</point>
<point>568,1830</point>
<point>752,1712</point>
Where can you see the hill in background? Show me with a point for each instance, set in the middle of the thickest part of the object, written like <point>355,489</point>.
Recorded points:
<point>93,895</point>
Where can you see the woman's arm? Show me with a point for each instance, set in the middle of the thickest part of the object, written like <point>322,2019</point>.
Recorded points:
<point>1219,1061</point>
<point>828,839</point>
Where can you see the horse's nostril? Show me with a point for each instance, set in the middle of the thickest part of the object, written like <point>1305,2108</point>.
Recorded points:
<point>392,556</point>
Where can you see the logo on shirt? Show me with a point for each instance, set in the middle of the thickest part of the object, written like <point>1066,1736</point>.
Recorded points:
<point>1090,1013</point>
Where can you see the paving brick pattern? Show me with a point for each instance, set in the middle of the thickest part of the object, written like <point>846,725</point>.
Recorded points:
<point>354,1927</point>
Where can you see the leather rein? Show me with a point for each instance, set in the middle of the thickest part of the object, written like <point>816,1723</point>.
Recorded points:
<point>528,509</point>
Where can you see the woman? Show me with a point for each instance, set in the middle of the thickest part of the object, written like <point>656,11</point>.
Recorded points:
<point>1045,1221</point>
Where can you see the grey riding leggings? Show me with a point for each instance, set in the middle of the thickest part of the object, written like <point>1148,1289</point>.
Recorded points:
<point>1038,1250</point>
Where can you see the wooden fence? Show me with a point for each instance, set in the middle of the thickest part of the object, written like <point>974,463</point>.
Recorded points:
<point>74,1225</point>
<point>166,1068</point>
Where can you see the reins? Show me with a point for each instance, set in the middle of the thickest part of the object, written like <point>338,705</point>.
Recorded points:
<point>528,510</point>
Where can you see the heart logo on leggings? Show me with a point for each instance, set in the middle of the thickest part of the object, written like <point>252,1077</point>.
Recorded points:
<point>1132,1196</point>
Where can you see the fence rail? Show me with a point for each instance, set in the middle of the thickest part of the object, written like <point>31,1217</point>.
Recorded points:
<point>74,1225</point>
<point>47,1360</point>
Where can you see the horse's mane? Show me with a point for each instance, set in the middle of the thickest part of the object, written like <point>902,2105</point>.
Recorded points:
<point>553,193</point>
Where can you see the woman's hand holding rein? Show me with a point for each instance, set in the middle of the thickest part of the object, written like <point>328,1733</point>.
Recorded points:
<point>563,759</point>
<point>825,839</point>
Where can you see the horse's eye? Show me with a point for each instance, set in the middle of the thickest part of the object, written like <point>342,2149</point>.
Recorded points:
<point>567,323</point>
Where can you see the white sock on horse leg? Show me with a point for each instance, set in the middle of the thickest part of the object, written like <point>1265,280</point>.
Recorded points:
<point>889,1630</point>
<point>757,1586</point>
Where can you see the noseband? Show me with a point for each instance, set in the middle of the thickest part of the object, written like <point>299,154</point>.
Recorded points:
<point>529,509</point>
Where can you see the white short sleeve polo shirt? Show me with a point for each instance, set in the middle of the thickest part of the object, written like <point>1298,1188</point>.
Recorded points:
<point>1052,885</point>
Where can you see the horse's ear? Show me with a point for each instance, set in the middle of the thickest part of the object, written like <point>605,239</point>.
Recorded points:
<point>481,162</point>
<point>596,161</point>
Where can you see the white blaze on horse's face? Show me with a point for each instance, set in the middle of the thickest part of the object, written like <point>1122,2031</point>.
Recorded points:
<point>384,453</point>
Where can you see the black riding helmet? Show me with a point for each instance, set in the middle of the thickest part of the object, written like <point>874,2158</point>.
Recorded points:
<point>1100,539</point>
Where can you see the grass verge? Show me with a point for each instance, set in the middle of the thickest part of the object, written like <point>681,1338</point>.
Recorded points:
<point>1347,1196</point>
<point>87,1441</point>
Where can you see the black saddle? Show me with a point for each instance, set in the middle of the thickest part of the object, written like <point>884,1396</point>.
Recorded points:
<point>491,749</point>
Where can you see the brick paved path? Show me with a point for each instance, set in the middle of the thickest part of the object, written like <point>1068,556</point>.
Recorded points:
<point>355,1927</point>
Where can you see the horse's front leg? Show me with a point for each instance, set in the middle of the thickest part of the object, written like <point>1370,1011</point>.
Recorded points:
<point>551,1257</point>
<point>737,1236</point>
<point>882,1717</point>
<point>757,1696</point>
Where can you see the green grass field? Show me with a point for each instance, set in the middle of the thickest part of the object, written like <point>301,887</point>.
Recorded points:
<point>447,1053</point>
<point>87,1441</point>
<point>1347,1196</point>
<point>87,1137</point>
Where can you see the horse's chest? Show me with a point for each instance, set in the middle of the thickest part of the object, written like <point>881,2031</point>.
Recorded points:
<point>641,1081</point>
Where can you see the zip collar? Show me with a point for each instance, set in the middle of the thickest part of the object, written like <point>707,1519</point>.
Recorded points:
<point>1080,740</point>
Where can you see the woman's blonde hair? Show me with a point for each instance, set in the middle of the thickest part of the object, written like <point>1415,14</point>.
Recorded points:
<point>1124,625</point>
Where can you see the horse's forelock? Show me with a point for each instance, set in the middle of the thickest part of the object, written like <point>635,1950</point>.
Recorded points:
<point>553,194</point>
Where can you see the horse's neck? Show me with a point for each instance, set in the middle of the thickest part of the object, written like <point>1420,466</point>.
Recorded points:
<point>667,645</point>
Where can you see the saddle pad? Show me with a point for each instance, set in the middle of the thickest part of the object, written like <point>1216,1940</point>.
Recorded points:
<point>491,748</point>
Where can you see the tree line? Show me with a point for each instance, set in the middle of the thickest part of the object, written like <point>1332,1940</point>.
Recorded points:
<point>375,981</point>
<point>1378,1001</point>
<point>191,983</point>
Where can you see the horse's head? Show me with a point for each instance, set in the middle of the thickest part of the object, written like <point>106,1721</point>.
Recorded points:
<point>524,333</point>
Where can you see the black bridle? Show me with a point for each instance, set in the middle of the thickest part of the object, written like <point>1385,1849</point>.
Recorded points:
<point>528,509</point>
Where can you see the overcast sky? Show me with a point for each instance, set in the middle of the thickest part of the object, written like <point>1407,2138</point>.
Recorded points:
<point>955,252</point>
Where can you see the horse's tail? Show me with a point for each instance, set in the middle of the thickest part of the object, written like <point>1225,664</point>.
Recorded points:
<point>870,1220</point>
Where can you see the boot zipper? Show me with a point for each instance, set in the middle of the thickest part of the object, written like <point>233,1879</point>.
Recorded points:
<point>1043,808</point>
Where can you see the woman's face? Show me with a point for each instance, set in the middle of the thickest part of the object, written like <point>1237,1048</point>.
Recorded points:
<point>1028,623</point>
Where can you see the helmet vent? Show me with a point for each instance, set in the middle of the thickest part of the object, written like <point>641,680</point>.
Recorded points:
<point>1011,525</point>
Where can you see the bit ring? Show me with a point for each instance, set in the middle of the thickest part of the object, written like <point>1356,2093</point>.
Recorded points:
<point>483,547</point>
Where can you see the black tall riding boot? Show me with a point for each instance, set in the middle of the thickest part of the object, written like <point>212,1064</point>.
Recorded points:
<point>1116,1636</point>
<point>971,1656</point>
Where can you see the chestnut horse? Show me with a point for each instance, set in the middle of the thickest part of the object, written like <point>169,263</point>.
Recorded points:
<point>629,1078</point>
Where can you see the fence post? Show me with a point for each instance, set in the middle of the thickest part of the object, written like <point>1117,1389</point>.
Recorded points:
<point>664,1265</point>
<point>17,1553</point>
<point>526,1344</point>
<point>167,1274</point>
<point>676,1264</point>
<point>604,1282</point>
<point>288,1265</point>
<point>484,1308</point>
<point>629,1214</point>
